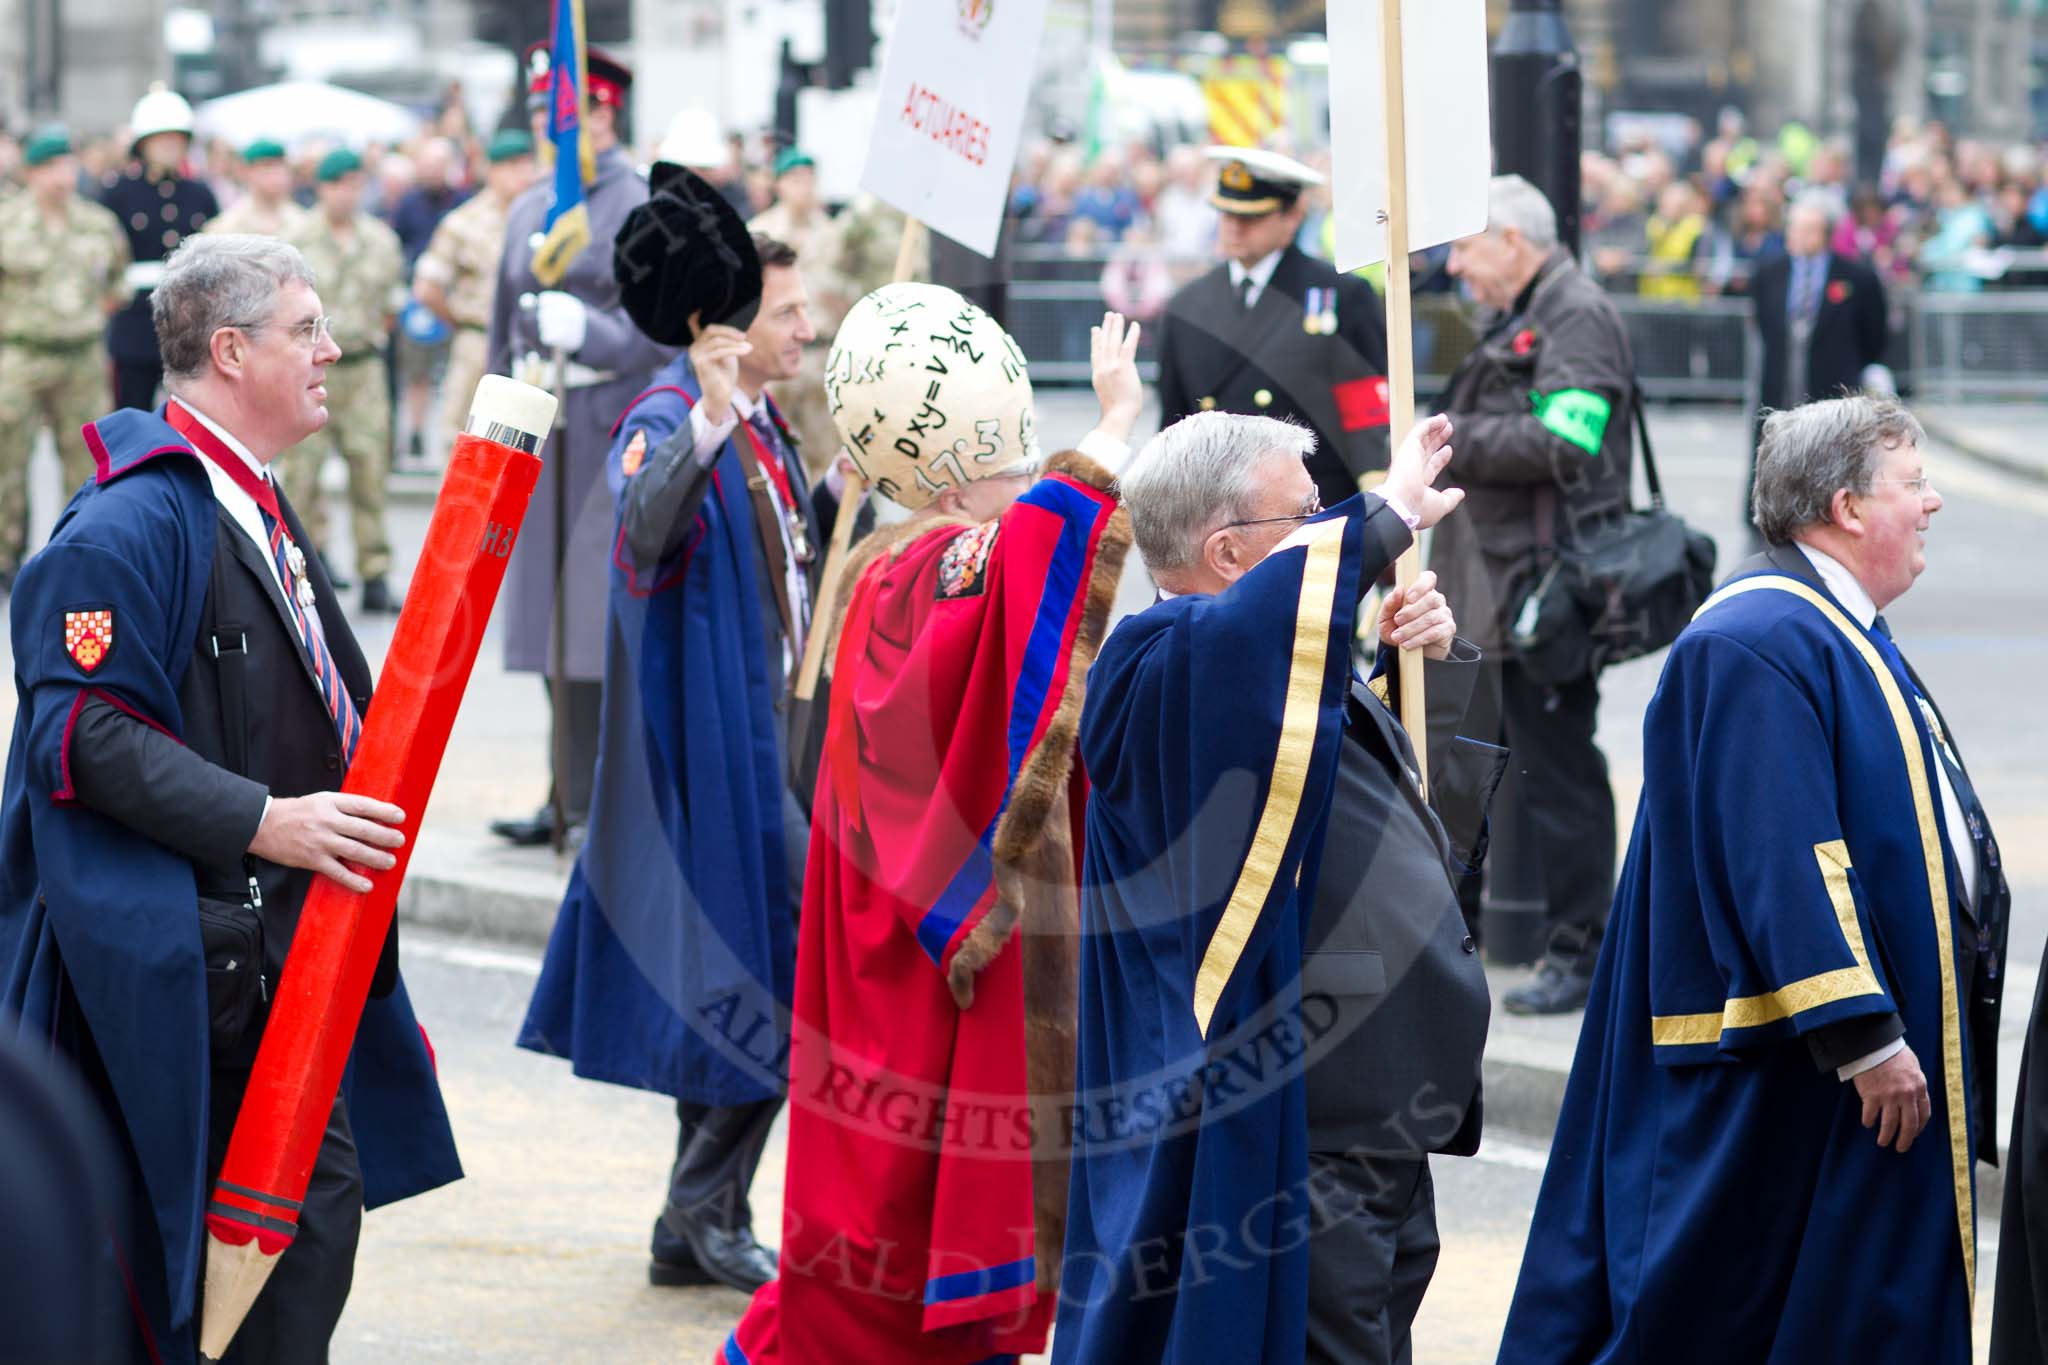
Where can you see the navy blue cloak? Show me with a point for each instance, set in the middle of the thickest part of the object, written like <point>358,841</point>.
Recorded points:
<point>673,958</point>
<point>98,925</point>
<point>1711,1195</point>
<point>1210,738</point>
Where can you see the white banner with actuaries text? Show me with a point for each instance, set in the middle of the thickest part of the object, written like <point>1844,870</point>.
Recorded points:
<point>950,111</point>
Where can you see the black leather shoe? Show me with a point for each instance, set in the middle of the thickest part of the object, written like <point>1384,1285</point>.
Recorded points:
<point>527,831</point>
<point>1559,988</point>
<point>684,1274</point>
<point>378,599</point>
<point>733,1259</point>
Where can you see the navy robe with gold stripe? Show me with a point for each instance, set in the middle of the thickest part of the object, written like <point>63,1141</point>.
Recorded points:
<point>1712,1195</point>
<point>1210,738</point>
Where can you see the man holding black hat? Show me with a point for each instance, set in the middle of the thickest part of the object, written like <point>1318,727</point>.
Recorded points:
<point>265,208</point>
<point>455,275</point>
<point>160,206</point>
<point>1275,332</point>
<point>673,973</point>
<point>361,270</point>
<point>61,264</point>
<point>608,361</point>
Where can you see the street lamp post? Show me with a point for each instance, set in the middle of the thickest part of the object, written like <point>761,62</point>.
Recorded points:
<point>1537,89</point>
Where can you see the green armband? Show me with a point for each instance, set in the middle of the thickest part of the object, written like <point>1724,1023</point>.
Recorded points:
<point>1575,415</point>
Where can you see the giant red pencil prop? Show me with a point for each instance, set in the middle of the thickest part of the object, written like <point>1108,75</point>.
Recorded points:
<point>253,1214</point>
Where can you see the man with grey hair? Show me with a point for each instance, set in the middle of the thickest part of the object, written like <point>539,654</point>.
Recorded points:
<point>1821,318</point>
<point>191,697</point>
<point>1261,868</point>
<point>1806,946</point>
<point>1542,407</point>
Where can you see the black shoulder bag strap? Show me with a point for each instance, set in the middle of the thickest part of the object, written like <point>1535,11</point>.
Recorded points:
<point>229,643</point>
<point>1635,398</point>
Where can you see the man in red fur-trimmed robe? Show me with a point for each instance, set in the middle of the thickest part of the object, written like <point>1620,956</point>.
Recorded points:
<point>932,1044</point>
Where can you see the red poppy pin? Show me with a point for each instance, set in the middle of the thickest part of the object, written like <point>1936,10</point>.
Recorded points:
<point>1525,341</point>
<point>88,637</point>
<point>1838,291</point>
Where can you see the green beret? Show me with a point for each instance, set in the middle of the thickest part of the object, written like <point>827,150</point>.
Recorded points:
<point>263,149</point>
<point>337,164</point>
<point>509,144</point>
<point>789,158</point>
<point>46,144</point>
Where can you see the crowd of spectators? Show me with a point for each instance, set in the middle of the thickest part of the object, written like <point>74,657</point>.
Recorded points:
<point>1944,213</point>
<point>1669,211</point>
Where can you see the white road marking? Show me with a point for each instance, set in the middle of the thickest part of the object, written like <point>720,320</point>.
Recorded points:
<point>1515,1154</point>
<point>485,959</point>
<point>1993,485</point>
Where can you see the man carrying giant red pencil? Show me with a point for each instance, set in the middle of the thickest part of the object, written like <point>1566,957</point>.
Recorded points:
<point>190,698</point>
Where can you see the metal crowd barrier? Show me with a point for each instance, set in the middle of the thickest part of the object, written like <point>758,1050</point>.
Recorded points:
<point>1962,347</point>
<point>1684,350</point>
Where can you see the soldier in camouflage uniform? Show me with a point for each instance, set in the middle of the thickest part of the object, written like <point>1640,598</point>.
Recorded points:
<point>62,260</point>
<point>360,266</point>
<point>457,275</point>
<point>265,208</point>
<point>854,256</point>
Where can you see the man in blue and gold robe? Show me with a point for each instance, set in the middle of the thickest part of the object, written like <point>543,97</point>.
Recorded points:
<point>1785,1075</point>
<point>1281,1013</point>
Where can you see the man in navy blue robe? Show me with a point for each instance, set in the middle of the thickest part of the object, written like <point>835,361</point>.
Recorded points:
<point>1218,740</point>
<point>672,965</point>
<point>190,694</point>
<point>1785,1075</point>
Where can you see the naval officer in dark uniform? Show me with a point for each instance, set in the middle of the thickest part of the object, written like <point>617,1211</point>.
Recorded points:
<point>159,206</point>
<point>1277,333</point>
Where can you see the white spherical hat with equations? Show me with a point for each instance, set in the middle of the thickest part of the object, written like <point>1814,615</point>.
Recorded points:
<point>929,393</point>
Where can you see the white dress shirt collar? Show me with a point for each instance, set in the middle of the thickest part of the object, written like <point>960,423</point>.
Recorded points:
<point>227,439</point>
<point>1260,274</point>
<point>233,498</point>
<point>1855,599</point>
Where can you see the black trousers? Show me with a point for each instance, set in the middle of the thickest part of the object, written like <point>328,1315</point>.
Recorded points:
<point>1372,1249</point>
<point>296,1314</point>
<point>1557,792</point>
<point>585,718</point>
<point>718,1149</point>
<point>136,381</point>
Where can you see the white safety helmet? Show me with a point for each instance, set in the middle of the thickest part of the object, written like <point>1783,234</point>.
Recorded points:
<point>928,393</point>
<point>160,111</point>
<point>693,140</point>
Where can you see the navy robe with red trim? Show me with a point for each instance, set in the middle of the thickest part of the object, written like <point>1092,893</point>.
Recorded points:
<point>1211,742</point>
<point>671,963</point>
<point>926,1154</point>
<point>1711,1194</point>
<point>99,927</point>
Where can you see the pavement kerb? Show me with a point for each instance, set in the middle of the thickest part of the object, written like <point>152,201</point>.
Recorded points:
<point>1959,438</point>
<point>508,898</point>
<point>489,894</point>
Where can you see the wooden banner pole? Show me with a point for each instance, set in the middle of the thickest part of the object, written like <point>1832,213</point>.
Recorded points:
<point>907,256</point>
<point>1401,350</point>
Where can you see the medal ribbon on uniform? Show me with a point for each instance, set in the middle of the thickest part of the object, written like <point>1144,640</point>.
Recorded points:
<point>291,572</point>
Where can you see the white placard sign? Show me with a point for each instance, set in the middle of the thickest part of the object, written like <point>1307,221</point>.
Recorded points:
<point>1450,141</point>
<point>949,112</point>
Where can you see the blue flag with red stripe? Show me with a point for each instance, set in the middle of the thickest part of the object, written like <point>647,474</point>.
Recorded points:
<point>568,219</point>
